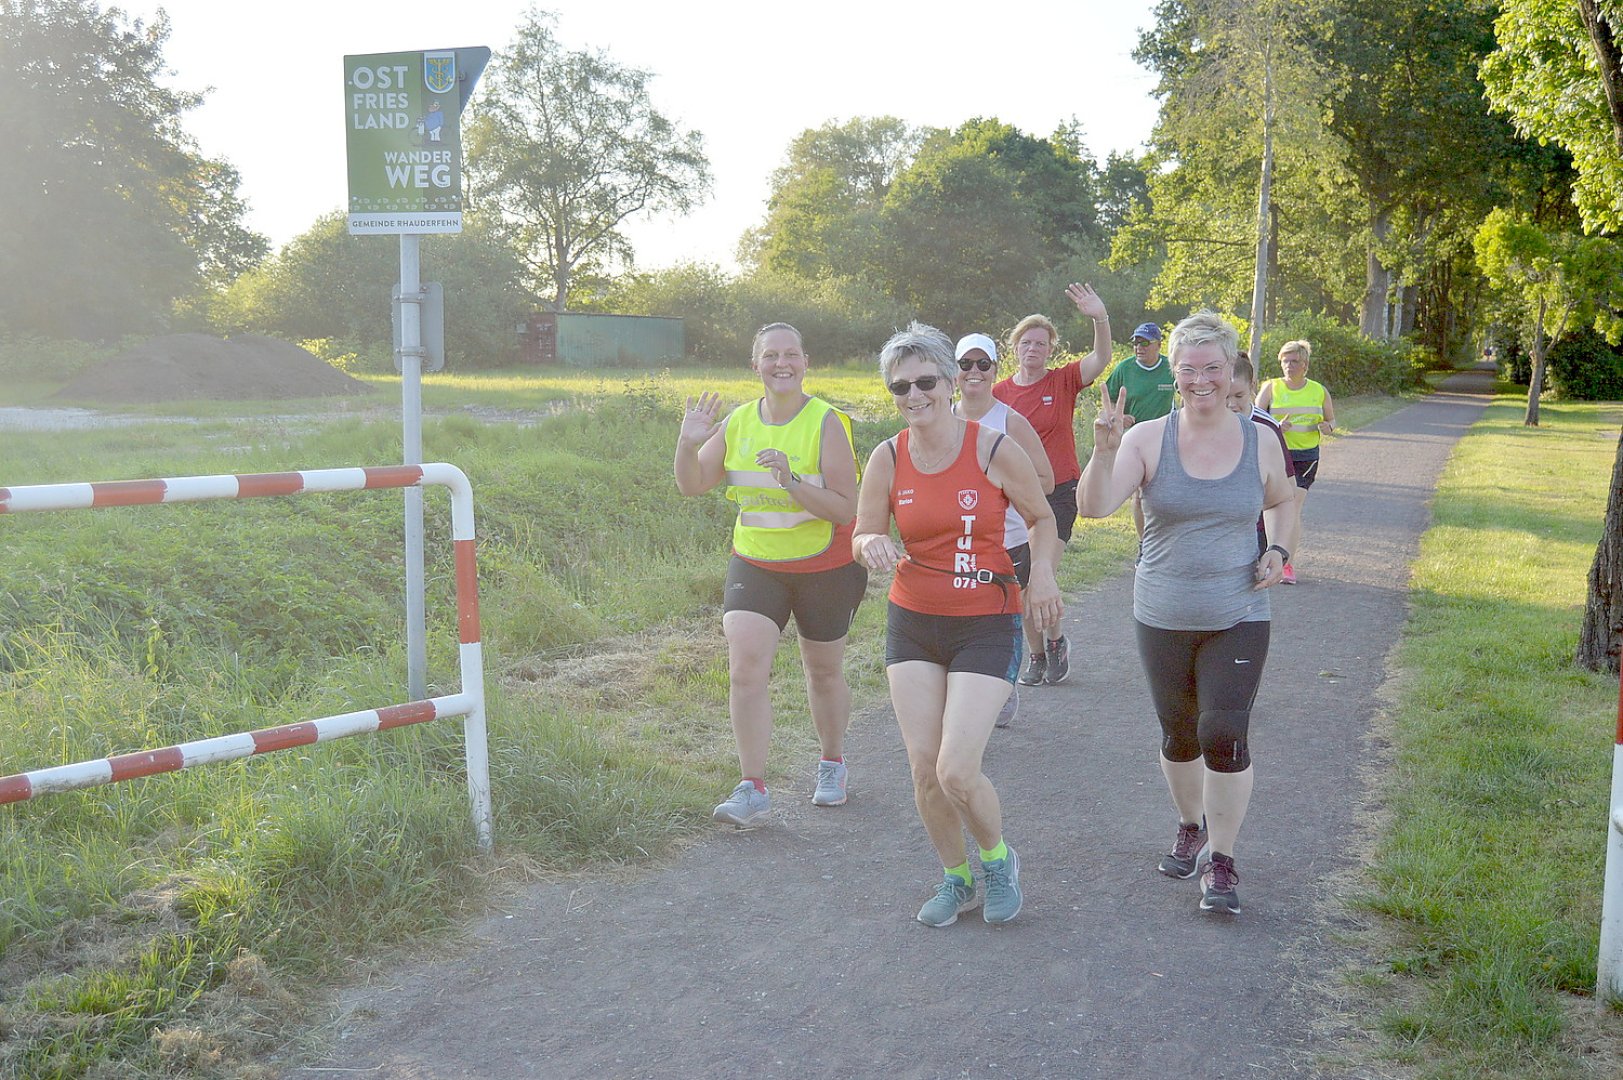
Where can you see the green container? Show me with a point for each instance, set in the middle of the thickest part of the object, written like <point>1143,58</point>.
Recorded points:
<point>602,341</point>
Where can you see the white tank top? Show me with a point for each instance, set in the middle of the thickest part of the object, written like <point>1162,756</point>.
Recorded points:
<point>1015,532</point>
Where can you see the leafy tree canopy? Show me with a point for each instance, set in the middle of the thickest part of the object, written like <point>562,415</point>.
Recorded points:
<point>1546,76</point>
<point>566,146</point>
<point>113,214</point>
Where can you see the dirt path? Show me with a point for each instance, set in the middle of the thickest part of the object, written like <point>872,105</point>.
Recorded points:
<point>791,950</point>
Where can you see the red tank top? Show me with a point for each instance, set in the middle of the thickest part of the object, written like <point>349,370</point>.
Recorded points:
<point>952,527</point>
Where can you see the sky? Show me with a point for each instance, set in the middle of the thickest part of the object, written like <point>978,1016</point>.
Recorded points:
<point>750,78</point>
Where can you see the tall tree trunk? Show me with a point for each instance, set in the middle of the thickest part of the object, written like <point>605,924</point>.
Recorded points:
<point>1273,263</point>
<point>1408,296</point>
<point>1610,60</point>
<point>1377,279</point>
<point>1600,639</point>
<point>1259,284</point>
<point>1535,384</point>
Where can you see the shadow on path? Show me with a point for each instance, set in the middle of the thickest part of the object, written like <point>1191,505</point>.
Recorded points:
<point>791,950</point>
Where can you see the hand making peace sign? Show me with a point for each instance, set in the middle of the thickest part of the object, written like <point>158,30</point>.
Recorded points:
<point>1111,421</point>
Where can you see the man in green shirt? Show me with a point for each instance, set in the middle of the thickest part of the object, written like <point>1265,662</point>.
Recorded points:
<point>1149,383</point>
<point>1148,378</point>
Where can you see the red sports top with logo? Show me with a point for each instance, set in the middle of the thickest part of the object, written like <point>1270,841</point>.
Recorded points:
<point>1050,405</point>
<point>950,521</point>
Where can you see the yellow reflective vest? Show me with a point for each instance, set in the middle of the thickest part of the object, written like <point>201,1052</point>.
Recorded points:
<point>771,526</point>
<point>1304,408</point>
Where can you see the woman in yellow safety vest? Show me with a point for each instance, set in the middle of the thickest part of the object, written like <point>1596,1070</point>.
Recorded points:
<point>1305,414</point>
<point>788,462</point>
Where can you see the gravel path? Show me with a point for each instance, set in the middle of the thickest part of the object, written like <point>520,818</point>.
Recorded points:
<point>791,950</point>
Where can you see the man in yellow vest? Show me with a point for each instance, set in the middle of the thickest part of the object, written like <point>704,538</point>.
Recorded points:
<point>1305,414</point>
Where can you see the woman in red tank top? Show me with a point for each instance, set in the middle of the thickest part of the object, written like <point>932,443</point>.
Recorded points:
<point>954,607</point>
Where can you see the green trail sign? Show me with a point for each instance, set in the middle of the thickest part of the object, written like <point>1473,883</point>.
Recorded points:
<point>402,113</point>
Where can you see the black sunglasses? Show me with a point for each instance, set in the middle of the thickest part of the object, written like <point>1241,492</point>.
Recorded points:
<point>980,362</point>
<point>901,387</point>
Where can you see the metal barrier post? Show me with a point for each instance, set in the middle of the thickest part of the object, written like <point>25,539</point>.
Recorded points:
<point>1609,969</point>
<point>470,703</point>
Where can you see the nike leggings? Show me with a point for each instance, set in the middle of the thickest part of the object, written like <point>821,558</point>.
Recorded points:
<point>1203,683</point>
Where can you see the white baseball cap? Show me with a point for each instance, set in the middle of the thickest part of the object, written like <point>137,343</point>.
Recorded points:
<point>976,341</point>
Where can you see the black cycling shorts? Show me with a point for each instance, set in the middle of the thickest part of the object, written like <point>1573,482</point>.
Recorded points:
<point>1307,466</point>
<point>1062,500</point>
<point>823,602</point>
<point>982,644</point>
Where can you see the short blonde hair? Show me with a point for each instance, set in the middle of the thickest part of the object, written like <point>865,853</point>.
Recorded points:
<point>1203,328</point>
<point>1028,323</point>
<point>1296,348</point>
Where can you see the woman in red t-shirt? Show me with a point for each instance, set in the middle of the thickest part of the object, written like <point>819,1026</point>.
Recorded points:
<point>951,626</point>
<point>1047,397</point>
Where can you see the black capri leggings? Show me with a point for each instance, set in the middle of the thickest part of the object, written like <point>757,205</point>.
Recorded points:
<point>1203,683</point>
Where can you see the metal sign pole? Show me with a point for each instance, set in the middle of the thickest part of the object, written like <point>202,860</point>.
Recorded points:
<point>402,115</point>
<point>411,418</point>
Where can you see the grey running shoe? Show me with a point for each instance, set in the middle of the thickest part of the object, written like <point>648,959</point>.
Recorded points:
<point>952,898</point>
<point>1003,897</point>
<point>1005,716</point>
<point>1036,668</point>
<point>830,784</point>
<point>1217,884</point>
<point>1181,861</point>
<point>1059,660</point>
<point>745,806</point>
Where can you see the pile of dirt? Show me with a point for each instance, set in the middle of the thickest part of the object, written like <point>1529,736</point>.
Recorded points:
<point>190,367</point>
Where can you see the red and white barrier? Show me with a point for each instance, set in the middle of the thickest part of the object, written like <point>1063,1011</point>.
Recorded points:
<point>1609,970</point>
<point>470,703</point>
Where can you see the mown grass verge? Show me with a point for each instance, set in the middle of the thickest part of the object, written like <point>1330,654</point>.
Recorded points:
<point>1482,899</point>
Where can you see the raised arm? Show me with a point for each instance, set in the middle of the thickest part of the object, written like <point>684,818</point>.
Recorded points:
<point>1116,468</point>
<point>1088,303</point>
<point>871,542</point>
<point>701,447</point>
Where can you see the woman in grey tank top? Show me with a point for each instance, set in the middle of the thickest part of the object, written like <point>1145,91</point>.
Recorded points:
<point>1200,608</point>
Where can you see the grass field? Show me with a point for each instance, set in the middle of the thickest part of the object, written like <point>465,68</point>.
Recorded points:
<point>156,927</point>
<point>1482,905</point>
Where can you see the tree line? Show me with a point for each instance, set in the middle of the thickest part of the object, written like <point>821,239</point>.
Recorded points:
<point>1432,176</point>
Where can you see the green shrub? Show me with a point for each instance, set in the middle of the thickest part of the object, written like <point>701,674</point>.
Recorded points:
<point>352,357</point>
<point>1584,367</point>
<point>1343,359</point>
<point>31,357</point>
<point>1515,366</point>
<point>840,318</point>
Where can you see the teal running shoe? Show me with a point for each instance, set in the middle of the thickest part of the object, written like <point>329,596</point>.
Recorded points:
<point>952,898</point>
<point>1003,897</point>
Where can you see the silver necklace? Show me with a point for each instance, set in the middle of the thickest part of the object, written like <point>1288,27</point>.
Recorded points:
<point>929,466</point>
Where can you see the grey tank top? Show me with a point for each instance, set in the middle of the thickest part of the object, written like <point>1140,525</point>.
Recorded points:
<point>1198,568</point>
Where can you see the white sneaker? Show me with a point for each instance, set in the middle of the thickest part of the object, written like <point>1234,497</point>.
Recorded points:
<point>744,806</point>
<point>830,784</point>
